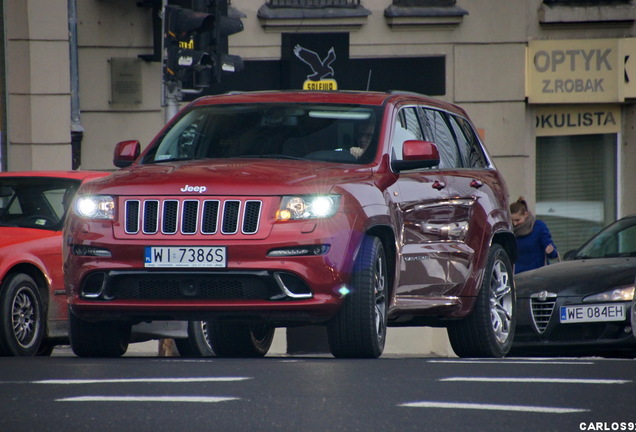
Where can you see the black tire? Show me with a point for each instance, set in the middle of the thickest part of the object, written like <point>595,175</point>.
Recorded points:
<point>489,330</point>
<point>197,344</point>
<point>358,330</point>
<point>240,339</point>
<point>98,339</point>
<point>22,316</point>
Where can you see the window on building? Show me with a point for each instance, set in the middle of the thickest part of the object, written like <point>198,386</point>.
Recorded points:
<point>424,3</point>
<point>312,3</point>
<point>590,12</point>
<point>584,2</point>
<point>409,13</point>
<point>576,186</point>
<point>295,14</point>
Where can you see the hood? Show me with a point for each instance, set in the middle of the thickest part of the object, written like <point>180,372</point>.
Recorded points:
<point>10,236</point>
<point>228,177</point>
<point>577,277</point>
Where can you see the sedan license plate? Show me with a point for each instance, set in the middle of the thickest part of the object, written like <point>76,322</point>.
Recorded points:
<point>185,256</point>
<point>593,313</point>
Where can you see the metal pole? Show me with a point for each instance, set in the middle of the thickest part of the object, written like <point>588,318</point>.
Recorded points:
<point>77,130</point>
<point>171,92</point>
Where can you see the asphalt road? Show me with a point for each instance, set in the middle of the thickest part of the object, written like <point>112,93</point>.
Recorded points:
<point>281,393</point>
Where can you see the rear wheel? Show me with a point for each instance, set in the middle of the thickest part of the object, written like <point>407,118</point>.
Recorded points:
<point>197,344</point>
<point>488,331</point>
<point>359,328</point>
<point>239,339</point>
<point>22,316</point>
<point>98,339</point>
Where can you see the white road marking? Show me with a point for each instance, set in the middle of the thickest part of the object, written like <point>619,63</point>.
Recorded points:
<point>509,361</point>
<point>492,407</point>
<point>141,380</point>
<point>537,380</point>
<point>198,399</point>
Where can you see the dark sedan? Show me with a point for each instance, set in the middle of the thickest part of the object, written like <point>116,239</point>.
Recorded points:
<point>581,306</point>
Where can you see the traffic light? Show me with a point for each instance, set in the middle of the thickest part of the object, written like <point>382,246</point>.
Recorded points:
<point>180,28</point>
<point>195,43</point>
<point>224,27</point>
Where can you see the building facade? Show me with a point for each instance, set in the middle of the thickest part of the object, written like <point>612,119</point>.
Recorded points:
<point>550,83</point>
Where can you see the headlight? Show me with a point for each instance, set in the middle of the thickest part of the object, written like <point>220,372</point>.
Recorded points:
<point>307,207</point>
<point>95,207</point>
<point>618,294</point>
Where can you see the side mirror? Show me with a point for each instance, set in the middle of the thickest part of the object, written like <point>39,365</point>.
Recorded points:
<point>417,154</point>
<point>126,152</point>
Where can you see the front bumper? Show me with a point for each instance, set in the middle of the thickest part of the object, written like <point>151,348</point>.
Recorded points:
<point>544,331</point>
<point>294,289</point>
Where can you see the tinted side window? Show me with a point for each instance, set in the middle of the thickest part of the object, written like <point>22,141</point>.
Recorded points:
<point>470,150</point>
<point>442,136</point>
<point>407,127</point>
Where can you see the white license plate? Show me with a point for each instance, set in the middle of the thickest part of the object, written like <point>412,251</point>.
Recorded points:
<point>184,256</point>
<point>593,313</point>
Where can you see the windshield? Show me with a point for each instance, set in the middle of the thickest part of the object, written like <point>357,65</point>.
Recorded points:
<point>618,239</point>
<point>324,132</point>
<point>35,202</point>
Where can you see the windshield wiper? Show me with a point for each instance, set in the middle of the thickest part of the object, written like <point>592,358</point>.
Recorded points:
<point>582,257</point>
<point>154,161</point>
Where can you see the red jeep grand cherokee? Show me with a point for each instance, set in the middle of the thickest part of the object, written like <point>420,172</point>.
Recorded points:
<point>253,211</point>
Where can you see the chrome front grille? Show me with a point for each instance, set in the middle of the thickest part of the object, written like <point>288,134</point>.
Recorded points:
<point>542,305</point>
<point>192,216</point>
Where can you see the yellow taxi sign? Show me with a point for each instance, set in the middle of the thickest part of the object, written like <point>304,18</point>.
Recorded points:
<point>324,84</point>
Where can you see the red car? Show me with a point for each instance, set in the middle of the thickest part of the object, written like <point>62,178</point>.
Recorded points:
<point>251,211</point>
<point>34,310</point>
<point>34,313</point>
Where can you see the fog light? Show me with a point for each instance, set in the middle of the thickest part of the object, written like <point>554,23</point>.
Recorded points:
<point>82,250</point>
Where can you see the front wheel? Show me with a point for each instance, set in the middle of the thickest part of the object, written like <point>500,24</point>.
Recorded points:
<point>239,339</point>
<point>488,331</point>
<point>98,339</point>
<point>358,330</point>
<point>22,316</point>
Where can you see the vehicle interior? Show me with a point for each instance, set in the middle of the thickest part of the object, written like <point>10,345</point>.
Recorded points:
<point>35,202</point>
<point>293,131</point>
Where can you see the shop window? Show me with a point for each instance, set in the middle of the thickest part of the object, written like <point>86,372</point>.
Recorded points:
<point>576,186</point>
